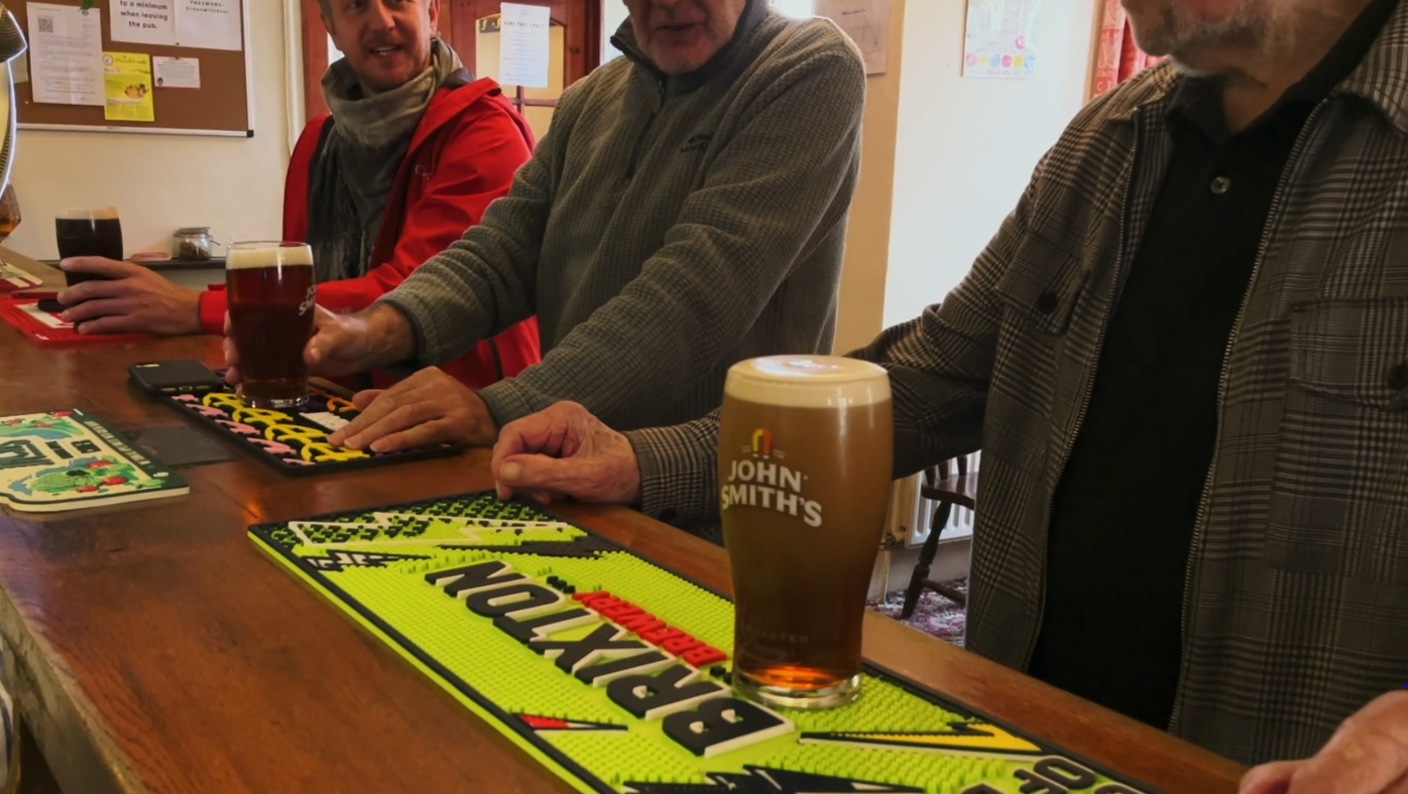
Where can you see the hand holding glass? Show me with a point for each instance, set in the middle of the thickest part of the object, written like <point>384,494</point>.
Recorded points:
<point>92,232</point>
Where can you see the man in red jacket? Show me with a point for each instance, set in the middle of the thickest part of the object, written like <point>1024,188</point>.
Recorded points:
<point>412,153</point>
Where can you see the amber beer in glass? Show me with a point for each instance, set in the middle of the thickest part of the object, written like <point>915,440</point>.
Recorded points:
<point>271,297</point>
<point>9,212</point>
<point>805,455</point>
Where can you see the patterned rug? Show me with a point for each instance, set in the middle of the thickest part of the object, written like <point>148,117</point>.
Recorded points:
<point>935,615</point>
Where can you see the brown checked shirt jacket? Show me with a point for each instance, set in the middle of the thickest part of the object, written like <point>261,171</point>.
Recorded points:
<point>1295,609</point>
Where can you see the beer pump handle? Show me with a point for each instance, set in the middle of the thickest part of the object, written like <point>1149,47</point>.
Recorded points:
<point>12,45</point>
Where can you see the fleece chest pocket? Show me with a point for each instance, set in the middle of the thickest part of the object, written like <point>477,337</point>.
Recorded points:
<point>1339,500</point>
<point>1042,285</point>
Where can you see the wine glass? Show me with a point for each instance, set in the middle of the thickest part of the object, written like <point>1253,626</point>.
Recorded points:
<point>9,212</point>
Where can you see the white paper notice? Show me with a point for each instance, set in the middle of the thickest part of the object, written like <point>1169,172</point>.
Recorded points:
<point>66,55</point>
<point>867,22</point>
<point>143,21</point>
<point>209,24</point>
<point>524,45</point>
<point>176,72</point>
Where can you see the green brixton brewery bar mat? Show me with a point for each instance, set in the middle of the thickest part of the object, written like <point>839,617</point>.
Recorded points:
<point>613,672</point>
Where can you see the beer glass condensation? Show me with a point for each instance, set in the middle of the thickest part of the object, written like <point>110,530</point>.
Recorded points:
<point>271,297</point>
<point>93,232</point>
<point>805,457</point>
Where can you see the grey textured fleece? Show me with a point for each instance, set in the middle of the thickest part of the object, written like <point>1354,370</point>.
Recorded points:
<point>665,228</point>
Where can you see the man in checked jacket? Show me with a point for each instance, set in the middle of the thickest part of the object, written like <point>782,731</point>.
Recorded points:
<point>1185,358</point>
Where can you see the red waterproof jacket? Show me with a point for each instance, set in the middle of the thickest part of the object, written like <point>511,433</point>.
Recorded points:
<point>464,154</point>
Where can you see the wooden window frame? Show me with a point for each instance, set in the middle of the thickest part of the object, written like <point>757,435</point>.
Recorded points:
<point>315,59</point>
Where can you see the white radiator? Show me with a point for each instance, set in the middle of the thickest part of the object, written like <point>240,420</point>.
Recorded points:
<point>910,513</point>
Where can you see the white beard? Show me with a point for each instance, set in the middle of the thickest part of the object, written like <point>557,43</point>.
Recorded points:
<point>1270,26</point>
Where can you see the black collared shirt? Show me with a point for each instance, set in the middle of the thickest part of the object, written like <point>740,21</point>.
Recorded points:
<point>1124,510</point>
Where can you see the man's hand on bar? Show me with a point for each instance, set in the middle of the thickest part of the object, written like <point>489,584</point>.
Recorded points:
<point>565,452</point>
<point>429,407</point>
<point>1367,755</point>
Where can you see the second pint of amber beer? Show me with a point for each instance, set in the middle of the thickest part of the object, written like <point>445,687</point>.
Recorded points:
<point>805,455</point>
<point>271,297</point>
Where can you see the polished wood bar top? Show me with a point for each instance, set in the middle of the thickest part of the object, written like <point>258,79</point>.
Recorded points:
<point>156,650</point>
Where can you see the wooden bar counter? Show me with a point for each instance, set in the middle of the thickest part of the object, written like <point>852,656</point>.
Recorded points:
<point>153,649</point>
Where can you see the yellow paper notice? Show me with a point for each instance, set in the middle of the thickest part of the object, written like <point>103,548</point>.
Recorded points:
<point>128,81</point>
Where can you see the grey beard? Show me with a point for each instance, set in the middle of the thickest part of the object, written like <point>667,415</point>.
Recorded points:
<point>1271,27</point>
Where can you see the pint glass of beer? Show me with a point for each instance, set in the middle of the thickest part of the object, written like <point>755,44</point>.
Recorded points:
<point>96,232</point>
<point>271,297</point>
<point>805,455</point>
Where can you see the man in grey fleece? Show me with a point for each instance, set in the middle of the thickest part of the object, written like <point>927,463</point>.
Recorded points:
<point>686,210</point>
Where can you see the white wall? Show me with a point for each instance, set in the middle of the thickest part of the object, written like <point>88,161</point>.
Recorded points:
<point>795,8</point>
<point>161,182</point>
<point>613,14</point>
<point>966,147</point>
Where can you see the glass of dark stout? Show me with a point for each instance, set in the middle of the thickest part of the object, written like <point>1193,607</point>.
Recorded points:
<point>91,232</point>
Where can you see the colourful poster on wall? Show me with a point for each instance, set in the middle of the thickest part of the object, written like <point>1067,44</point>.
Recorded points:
<point>127,78</point>
<point>1001,38</point>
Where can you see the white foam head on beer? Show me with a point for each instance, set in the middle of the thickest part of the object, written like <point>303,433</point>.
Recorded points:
<point>801,381</point>
<point>99,214</point>
<point>272,255</point>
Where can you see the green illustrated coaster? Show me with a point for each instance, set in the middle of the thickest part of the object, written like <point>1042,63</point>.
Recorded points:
<point>613,671</point>
<point>66,460</point>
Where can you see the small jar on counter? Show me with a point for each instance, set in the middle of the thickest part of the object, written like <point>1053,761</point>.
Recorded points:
<point>192,243</point>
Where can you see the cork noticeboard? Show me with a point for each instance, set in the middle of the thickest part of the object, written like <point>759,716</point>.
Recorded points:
<point>221,106</point>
